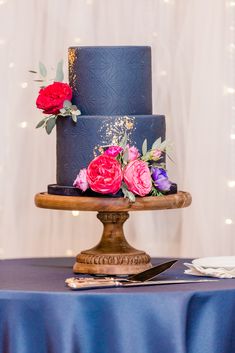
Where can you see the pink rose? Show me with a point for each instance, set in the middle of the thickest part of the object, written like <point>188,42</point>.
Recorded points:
<point>113,151</point>
<point>104,174</point>
<point>155,154</point>
<point>138,178</point>
<point>81,180</point>
<point>133,153</point>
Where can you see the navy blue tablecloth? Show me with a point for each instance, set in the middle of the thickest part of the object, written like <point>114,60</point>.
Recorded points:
<point>39,314</point>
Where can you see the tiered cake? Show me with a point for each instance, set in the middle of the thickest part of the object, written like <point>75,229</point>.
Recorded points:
<point>112,86</point>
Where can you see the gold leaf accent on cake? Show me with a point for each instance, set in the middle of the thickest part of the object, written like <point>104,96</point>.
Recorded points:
<point>113,130</point>
<point>72,57</point>
<point>129,124</point>
<point>72,75</point>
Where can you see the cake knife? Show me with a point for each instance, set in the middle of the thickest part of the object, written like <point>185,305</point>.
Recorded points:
<point>151,272</point>
<point>99,283</point>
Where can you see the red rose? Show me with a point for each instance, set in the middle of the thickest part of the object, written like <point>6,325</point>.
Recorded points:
<point>104,175</point>
<point>52,97</point>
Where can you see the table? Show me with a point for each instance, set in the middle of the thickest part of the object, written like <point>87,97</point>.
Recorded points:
<point>39,314</point>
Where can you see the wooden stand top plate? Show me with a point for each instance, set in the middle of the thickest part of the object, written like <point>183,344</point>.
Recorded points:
<point>108,204</point>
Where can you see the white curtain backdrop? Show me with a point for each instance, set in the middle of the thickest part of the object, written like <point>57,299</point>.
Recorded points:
<point>193,52</point>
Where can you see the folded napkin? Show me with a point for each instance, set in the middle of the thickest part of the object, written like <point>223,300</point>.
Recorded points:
<point>196,270</point>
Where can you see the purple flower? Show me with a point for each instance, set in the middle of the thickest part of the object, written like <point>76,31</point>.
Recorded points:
<point>113,151</point>
<point>160,179</point>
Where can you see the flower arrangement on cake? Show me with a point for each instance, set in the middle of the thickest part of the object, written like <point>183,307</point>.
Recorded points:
<point>122,167</point>
<point>54,99</point>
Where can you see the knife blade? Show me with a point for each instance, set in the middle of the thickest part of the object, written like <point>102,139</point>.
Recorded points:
<point>151,272</point>
<point>85,283</point>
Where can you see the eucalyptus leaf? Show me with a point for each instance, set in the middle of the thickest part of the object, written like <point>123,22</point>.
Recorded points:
<point>131,196</point>
<point>157,143</point>
<point>156,192</point>
<point>126,156</point>
<point>67,104</point>
<point>41,123</point>
<point>42,69</point>
<point>127,194</point>
<point>59,72</point>
<point>77,112</point>
<point>163,145</point>
<point>63,111</point>
<point>172,160</point>
<point>144,147</point>
<point>50,124</point>
<point>146,156</point>
<point>123,141</point>
<point>74,117</point>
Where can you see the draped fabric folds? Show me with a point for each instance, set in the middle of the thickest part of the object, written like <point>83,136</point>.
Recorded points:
<point>193,85</point>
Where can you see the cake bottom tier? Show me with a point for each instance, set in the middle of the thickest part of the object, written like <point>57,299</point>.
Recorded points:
<point>78,143</point>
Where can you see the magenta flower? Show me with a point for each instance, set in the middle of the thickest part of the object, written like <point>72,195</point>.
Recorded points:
<point>113,151</point>
<point>81,180</point>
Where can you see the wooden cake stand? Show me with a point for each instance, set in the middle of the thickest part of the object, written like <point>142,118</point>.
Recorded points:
<point>113,255</point>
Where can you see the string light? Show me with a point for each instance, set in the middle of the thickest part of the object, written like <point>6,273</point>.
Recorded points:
<point>155,34</point>
<point>2,2</point>
<point>231,183</point>
<point>231,47</point>
<point>1,252</point>
<point>89,2</point>
<point>232,28</point>
<point>77,40</point>
<point>23,124</point>
<point>230,3</point>
<point>75,213</point>
<point>228,221</point>
<point>162,73</point>
<point>2,41</point>
<point>232,136</point>
<point>11,65</point>
<point>229,90</point>
<point>69,252</point>
<point>24,84</point>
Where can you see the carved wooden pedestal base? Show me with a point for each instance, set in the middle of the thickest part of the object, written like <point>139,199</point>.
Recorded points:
<point>113,255</point>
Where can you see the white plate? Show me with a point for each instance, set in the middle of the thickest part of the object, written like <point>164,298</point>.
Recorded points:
<point>227,262</point>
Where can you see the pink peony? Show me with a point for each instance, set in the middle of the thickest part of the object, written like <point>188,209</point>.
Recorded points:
<point>113,151</point>
<point>133,153</point>
<point>81,180</point>
<point>104,174</point>
<point>138,178</point>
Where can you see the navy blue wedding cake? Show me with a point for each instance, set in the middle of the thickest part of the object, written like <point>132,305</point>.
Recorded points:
<point>112,86</point>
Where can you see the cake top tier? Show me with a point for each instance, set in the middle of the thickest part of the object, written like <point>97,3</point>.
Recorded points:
<point>111,80</point>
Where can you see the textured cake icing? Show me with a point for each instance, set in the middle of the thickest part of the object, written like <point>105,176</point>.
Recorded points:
<point>112,87</point>
<point>111,80</point>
